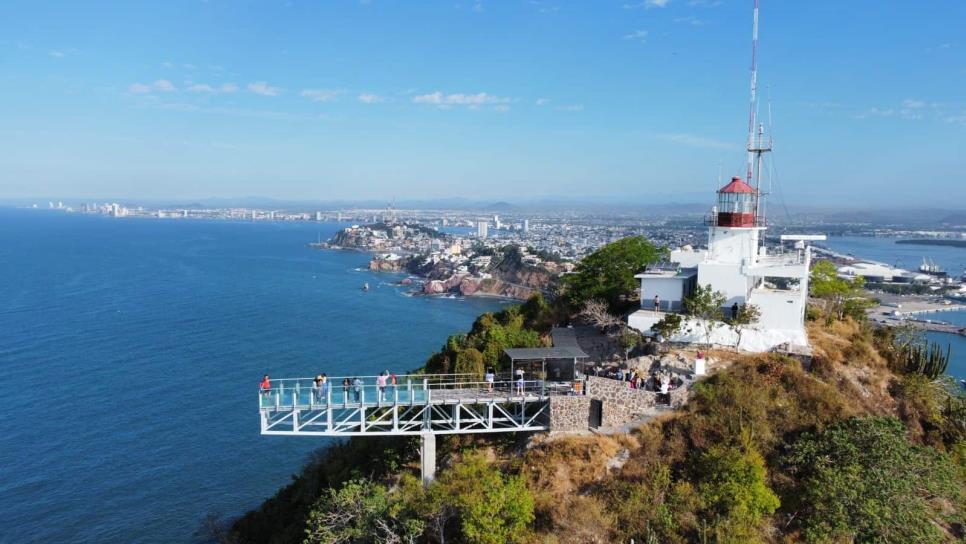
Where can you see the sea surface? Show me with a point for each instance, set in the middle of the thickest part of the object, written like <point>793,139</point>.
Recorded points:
<point>131,350</point>
<point>909,256</point>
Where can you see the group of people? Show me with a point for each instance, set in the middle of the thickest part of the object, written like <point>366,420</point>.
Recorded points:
<point>659,382</point>
<point>385,384</point>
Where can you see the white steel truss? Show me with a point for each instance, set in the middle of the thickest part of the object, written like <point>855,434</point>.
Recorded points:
<point>449,416</point>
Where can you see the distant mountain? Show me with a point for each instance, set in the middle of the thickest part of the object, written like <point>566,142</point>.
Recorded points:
<point>499,206</point>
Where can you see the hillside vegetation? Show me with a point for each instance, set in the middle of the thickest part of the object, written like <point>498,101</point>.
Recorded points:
<point>868,445</point>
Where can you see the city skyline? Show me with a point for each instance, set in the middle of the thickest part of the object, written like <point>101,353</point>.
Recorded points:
<point>492,101</point>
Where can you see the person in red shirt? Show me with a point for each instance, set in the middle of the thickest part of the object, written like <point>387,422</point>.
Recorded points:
<point>266,385</point>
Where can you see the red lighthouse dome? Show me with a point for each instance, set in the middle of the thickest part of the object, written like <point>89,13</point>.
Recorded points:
<point>736,204</point>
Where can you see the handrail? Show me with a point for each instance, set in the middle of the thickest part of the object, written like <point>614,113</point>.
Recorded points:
<point>287,395</point>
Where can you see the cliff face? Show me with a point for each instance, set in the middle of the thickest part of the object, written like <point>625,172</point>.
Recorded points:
<point>380,264</point>
<point>517,282</point>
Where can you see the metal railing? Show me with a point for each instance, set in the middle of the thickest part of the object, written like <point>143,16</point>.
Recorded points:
<point>413,389</point>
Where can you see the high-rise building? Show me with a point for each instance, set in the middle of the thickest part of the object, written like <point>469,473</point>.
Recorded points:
<point>526,226</point>
<point>318,216</point>
<point>496,222</point>
<point>481,229</point>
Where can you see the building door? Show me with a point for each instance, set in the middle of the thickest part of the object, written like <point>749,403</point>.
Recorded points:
<point>596,413</point>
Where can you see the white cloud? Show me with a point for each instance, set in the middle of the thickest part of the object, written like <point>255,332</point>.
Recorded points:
<point>689,20</point>
<point>912,103</point>
<point>542,101</point>
<point>167,64</point>
<point>956,119</point>
<point>200,88</point>
<point>369,98</point>
<point>637,35</point>
<point>57,54</point>
<point>692,140</point>
<point>501,108</point>
<point>459,99</point>
<point>139,88</point>
<point>205,88</point>
<point>189,66</point>
<point>876,112</point>
<point>263,88</point>
<point>572,107</point>
<point>163,85</point>
<point>648,4</point>
<point>322,95</point>
<point>478,6</point>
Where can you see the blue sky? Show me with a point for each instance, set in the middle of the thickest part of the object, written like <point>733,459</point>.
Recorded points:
<point>630,100</point>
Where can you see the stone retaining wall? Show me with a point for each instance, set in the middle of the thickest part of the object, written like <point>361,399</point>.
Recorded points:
<point>620,404</point>
<point>569,413</point>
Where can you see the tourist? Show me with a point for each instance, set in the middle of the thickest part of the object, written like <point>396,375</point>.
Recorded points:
<point>734,311</point>
<point>489,377</point>
<point>393,382</point>
<point>266,385</point>
<point>620,375</point>
<point>520,383</point>
<point>381,384</point>
<point>345,390</point>
<point>317,388</point>
<point>357,388</point>
<point>665,385</point>
<point>657,303</point>
<point>325,388</point>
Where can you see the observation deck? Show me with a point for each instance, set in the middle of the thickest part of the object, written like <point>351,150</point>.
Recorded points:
<point>418,404</point>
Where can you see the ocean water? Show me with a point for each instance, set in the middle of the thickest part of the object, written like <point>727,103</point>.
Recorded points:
<point>131,350</point>
<point>908,256</point>
<point>956,343</point>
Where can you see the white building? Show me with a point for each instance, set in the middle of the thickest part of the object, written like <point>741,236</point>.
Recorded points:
<point>526,226</point>
<point>481,229</point>
<point>737,265</point>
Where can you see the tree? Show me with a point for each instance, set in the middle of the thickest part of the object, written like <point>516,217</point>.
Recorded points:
<point>628,340</point>
<point>734,491</point>
<point>704,305</point>
<point>358,512</point>
<point>596,313</point>
<point>608,273</point>
<point>861,480</point>
<point>668,326</point>
<point>747,315</point>
<point>491,508</point>
<point>470,361</point>
<point>840,297</point>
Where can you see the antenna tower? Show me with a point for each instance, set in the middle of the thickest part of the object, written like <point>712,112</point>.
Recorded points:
<point>756,148</point>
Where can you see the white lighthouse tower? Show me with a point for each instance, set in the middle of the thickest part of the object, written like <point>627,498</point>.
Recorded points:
<point>736,262</point>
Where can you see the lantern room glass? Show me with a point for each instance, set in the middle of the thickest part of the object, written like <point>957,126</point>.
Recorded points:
<point>736,202</point>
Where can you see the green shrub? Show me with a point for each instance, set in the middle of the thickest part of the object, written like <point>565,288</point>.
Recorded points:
<point>861,480</point>
<point>734,492</point>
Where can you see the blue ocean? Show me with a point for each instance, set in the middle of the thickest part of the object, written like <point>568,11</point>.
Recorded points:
<point>132,349</point>
<point>910,256</point>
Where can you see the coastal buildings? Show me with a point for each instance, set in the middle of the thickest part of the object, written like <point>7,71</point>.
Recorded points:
<point>481,229</point>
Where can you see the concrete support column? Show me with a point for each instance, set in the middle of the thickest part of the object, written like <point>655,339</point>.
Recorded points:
<point>427,454</point>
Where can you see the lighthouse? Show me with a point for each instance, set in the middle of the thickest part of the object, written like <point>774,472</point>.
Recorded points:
<point>736,263</point>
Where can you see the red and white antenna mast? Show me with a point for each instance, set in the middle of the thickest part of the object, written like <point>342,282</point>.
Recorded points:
<point>755,149</point>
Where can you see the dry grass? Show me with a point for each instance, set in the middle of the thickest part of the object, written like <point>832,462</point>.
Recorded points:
<point>845,357</point>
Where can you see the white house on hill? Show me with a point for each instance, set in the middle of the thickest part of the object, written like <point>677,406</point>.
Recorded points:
<point>737,265</point>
